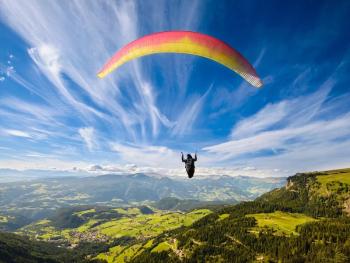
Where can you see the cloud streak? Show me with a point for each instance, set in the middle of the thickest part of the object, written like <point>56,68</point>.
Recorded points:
<point>89,137</point>
<point>292,134</point>
<point>146,154</point>
<point>189,114</point>
<point>17,133</point>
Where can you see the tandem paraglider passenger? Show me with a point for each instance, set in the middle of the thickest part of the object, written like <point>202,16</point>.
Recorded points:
<point>189,164</point>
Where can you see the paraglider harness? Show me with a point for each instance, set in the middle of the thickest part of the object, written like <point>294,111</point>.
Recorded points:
<point>189,164</point>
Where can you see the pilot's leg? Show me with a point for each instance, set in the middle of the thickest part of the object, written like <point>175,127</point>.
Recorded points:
<point>190,172</point>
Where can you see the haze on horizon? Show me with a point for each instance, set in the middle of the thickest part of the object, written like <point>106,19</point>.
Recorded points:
<point>56,114</point>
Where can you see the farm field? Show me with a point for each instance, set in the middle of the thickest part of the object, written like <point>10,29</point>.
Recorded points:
<point>100,227</point>
<point>149,225</point>
<point>132,223</point>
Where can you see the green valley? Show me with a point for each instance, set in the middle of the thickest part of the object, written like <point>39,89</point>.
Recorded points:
<point>98,226</point>
<point>304,221</point>
<point>130,228</point>
<point>30,200</point>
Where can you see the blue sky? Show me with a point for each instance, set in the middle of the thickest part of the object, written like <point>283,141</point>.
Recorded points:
<point>56,114</point>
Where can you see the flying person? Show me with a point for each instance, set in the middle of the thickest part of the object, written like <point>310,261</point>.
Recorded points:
<point>189,164</point>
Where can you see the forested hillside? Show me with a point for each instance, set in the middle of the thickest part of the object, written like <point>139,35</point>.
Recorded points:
<point>15,248</point>
<point>305,221</point>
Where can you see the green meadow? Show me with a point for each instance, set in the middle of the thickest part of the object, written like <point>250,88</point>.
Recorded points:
<point>331,180</point>
<point>282,223</point>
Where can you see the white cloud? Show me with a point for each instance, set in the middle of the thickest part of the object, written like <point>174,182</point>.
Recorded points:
<point>38,120</point>
<point>17,133</point>
<point>10,70</point>
<point>297,135</point>
<point>160,156</point>
<point>89,137</point>
<point>49,56</point>
<point>201,172</point>
<point>40,163</point>
<point>188,116</point>
<point>6,71</point>
<point>75,40</point>
<point>38,90</point>
<point>37,111</point>
<point>228,99</point>
<point>293,113</point>
<point>263,120</point>
<point>284,139</point>
<point>95,168</point>
<point>72,41</point>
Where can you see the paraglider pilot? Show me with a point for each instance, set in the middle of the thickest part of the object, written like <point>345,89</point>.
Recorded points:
<point>189,163</point>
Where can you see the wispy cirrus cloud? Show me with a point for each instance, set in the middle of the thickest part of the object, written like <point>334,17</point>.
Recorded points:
<point>59,54</point>
<point>67,45</point>
<point>149,155</point>
<point>89,137</point>
<point>189,114</point>
<point>293,112</point>
<point>227,99</point>
<point>17,133</point>
<point>154,107</point>
<point>291,134</point>
<point>201,172</point>
<point>57,51</point>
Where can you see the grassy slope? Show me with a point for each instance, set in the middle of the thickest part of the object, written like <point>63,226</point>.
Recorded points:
<point>281,222</point>
<point>342,175</point>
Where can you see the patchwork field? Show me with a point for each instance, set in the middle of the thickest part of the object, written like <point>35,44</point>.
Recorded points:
<point>148,225</point>
<point>120,254</point>
<point>3,219</point>
<point>145,227</point>
<point>282,223</point>
<point>131,223</point>
<point>140,225</point>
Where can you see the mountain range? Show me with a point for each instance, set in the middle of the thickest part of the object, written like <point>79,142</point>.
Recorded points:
<point>37,198</point>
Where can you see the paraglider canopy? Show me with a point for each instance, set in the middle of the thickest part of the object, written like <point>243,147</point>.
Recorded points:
<point>185,42</point>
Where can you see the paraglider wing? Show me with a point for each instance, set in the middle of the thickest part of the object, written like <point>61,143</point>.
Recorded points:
<point>184,42</point>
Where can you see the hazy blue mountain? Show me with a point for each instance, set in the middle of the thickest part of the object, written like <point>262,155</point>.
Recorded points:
<point>38,198</point>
